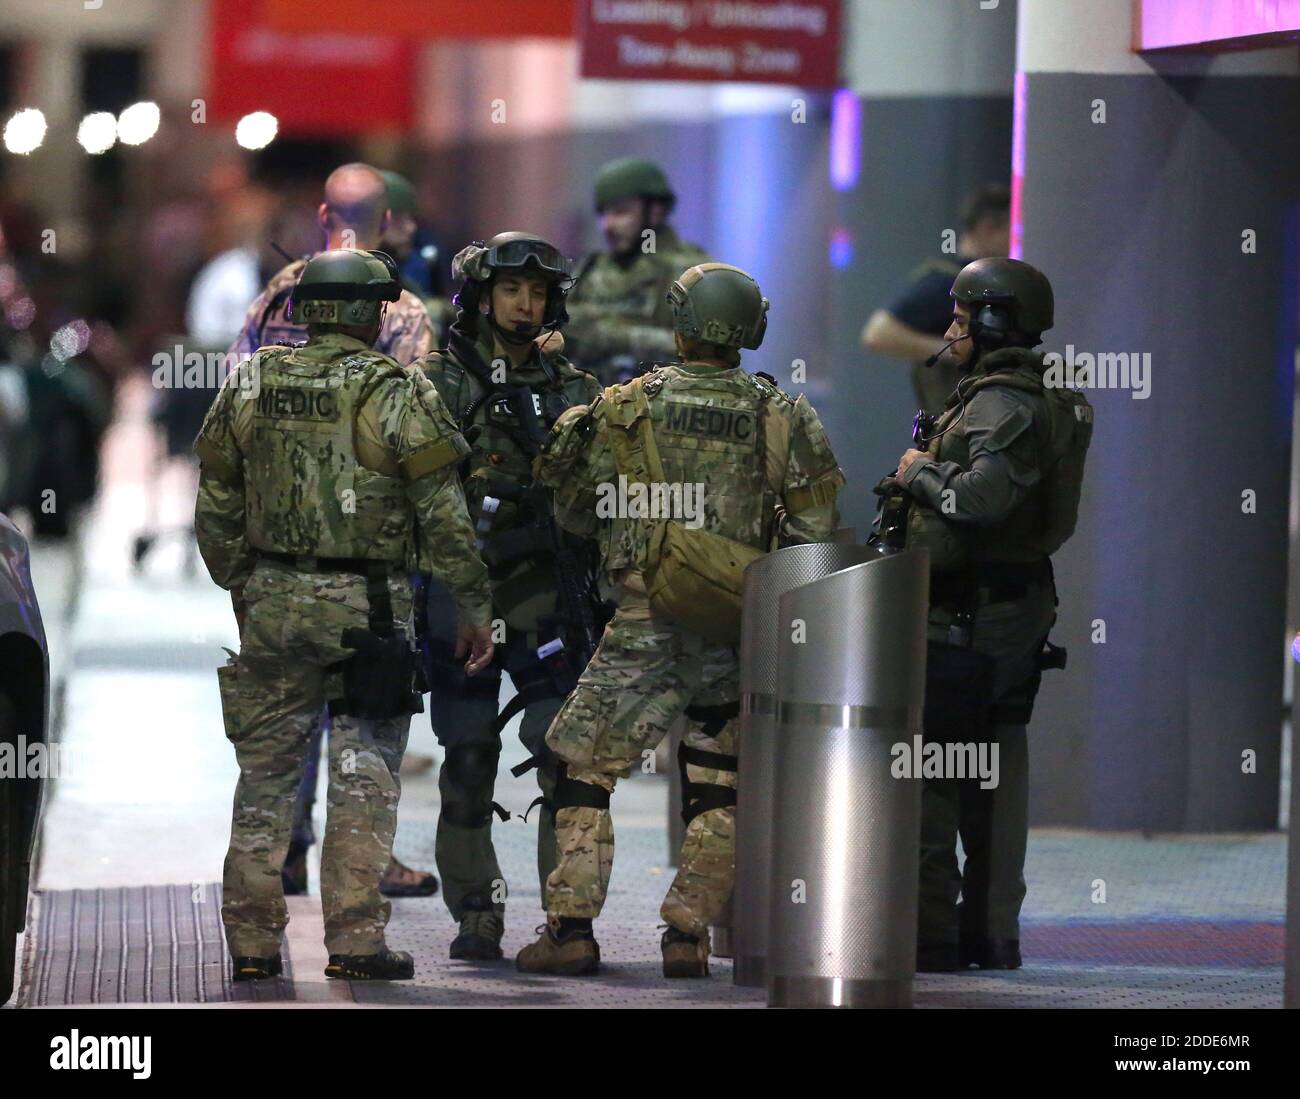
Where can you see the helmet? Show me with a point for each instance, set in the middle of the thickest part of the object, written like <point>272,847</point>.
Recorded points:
<point>401,195</point>
<point>1011,302</point>
<point>344,286</point>
<point>477,263</point>
<point>719,303</point>
<point>631,178</point>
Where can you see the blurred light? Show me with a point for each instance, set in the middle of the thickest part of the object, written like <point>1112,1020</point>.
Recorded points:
<point>138,123</point>
<point>841,250</point>
<point>97,132</point>
<point>256,130</point>
<point>846,139</point>
<point>25,131</point>
<point>20,313</point>
<point>1295,648</point>
<point>70,340</point>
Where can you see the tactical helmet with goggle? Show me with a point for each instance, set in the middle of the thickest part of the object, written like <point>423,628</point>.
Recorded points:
<point>479,263</point>
<point>345,286</point>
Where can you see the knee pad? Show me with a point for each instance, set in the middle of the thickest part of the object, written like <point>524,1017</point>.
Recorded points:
<point>700,797</point>
<point>471,772</point>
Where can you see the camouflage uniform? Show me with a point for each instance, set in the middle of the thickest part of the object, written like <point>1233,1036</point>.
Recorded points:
<point>335,451</point>
<point>406,335</point>
<point>649,670</point>
<point>464,711</point>
<point>618,311</point>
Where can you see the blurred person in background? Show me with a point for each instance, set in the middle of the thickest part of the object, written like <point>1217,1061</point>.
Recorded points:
<point>619,316</point>
<point>416,255</point>
<point>911,327</point>
<point>354,214</point>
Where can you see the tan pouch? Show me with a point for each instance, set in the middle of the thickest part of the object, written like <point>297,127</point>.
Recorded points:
<point>697,578</point>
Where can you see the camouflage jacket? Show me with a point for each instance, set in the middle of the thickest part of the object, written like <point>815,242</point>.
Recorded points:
<point>406,335</point>
<point>475,383</point>
<point>619,313</point>
<point>334,450</point>
<point>731,443</point>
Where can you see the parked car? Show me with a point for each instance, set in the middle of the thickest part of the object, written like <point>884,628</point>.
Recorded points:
<point>24,722</point>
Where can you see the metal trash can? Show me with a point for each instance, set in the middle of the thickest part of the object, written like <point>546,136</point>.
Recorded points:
<point>846,833</point>
<point>766,580</point>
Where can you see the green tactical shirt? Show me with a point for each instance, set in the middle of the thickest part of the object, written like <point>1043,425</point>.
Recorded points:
<point>620,309</point>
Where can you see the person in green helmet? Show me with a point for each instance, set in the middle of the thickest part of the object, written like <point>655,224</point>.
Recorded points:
<point>328,474</point>
<point>619,317</point>
<point>505,383</point>
<point>399,241</point>
<point>994,490</point>
<point>751,469</point>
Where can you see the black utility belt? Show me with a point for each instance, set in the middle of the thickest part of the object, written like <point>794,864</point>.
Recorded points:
<point>305,563</point>
<point>991,582</point>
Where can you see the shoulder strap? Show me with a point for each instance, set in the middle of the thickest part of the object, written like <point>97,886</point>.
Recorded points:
<point>631,433</point>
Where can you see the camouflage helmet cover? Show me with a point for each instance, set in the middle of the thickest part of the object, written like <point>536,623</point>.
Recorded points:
<point>344,286</point>
<point>719,303</point>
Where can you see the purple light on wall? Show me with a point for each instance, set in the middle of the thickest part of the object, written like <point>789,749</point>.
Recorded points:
<point>1295,648</point>
<point>846,139</point>
<point>1201,24</point>
<point>841,248</point>
<point>1019,103</point>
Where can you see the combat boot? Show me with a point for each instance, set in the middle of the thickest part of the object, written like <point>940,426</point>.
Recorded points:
<point>990,953</point>
<point>481,928</point>
<point>565,947</point>
<point>387,965</point>
<point>685,955</point>
<point>249,968</point>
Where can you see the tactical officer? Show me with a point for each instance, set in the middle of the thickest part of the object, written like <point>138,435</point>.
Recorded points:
<point>505,387</point>
<point>329,473</point>
<point>619,313</point>
<point>400,240</point>
<point>354,214</point>
<point>742,450</point>
<point>994,493</point>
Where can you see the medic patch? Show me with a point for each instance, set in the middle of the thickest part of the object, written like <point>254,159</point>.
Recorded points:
<point>710,422</point>
<point>287,403</point>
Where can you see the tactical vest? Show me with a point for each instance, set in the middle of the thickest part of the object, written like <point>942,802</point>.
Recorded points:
<point>708,429</point>
<point>500,450</point>
<point>1047,517</point>
<point>305,491</point>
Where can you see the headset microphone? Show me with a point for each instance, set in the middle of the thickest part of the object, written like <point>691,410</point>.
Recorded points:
<point>933,359</point>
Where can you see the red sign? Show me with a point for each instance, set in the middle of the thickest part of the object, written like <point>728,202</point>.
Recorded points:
<point>757,41</point>
<point>428,19</point>
<point>319,83</point>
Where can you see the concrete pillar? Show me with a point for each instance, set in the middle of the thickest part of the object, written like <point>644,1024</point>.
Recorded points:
<point>1159,196</point>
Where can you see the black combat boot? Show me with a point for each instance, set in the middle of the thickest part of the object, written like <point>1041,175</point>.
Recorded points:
<point>481,928</point>
<point>990,953</point>
<point>247,967</point>
<point>387,965</point>
<point>934,956</point>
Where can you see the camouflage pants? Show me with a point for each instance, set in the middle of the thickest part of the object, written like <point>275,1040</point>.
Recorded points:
<point>272,698</point>
<point>645,674</point>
